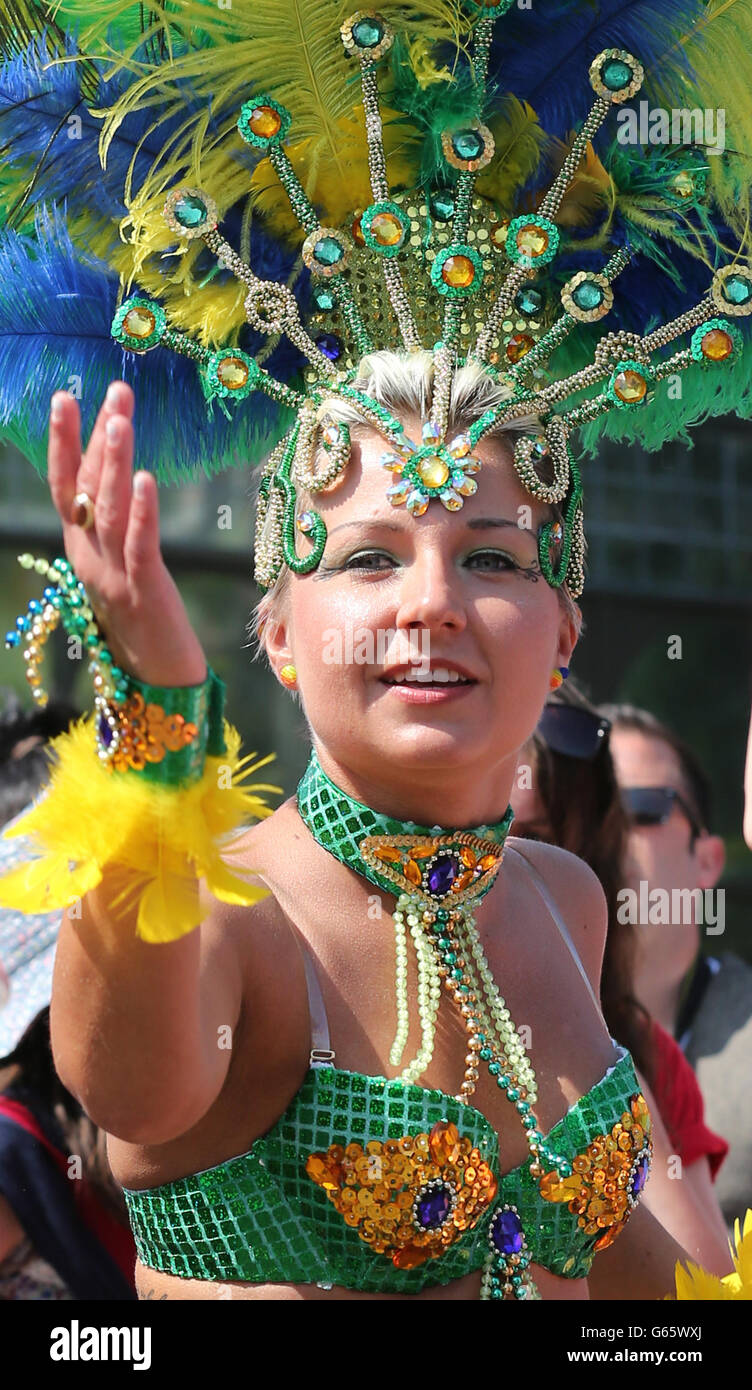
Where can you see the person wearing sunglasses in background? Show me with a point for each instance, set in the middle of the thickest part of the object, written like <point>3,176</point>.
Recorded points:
<point>703,998</point>
<point>566,793</point>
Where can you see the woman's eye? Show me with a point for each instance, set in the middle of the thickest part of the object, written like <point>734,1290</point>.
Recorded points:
<point>368,560</point>
<point>491,560</point>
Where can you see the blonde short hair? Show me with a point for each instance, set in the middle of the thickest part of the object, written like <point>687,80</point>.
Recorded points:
<point>403,384</point>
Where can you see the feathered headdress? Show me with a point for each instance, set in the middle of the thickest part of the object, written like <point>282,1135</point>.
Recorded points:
<point>263,194</point>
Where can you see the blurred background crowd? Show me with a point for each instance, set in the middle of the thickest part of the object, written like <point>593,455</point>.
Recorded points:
<point>637,766</point>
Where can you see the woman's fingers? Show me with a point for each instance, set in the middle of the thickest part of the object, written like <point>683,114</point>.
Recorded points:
<point>141,550</point>
<point>63,452</point>
<point>113,498</point>
<point>118,400</point>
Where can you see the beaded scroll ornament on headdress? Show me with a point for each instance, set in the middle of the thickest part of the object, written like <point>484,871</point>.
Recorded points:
<point>422,223</point>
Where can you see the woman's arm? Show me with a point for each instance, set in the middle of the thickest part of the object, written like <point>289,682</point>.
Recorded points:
<point>676,1219</point>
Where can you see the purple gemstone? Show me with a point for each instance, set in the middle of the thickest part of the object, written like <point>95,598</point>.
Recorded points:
<point>506,1232</point>
<point>433,1209</point>
<point>442,874</point>
<point>639,1175</point>
<point>105,732</point>
<point>330,345</point>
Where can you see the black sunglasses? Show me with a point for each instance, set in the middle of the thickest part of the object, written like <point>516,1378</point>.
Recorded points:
<point>575,732</point>
<point>653,806</point>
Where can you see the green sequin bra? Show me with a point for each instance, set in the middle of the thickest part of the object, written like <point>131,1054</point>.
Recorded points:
<point>388,1186</point>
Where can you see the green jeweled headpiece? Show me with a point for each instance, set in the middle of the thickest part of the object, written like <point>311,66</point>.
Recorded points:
<point>454,277</point>
<point>419,213</point>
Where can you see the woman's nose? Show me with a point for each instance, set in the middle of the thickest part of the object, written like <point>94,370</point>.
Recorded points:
<point>430,594</point>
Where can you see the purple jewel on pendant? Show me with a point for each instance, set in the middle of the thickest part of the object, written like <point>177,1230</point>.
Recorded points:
<point>104,731</point>
<point>639,1175</point>
<point>506,1232</point>
<point>433,1209</point>
<point>442,874</point>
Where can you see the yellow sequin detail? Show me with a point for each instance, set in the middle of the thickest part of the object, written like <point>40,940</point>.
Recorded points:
<point>597,1192</point>
<point>146,734</point>
<point>374,1190</point>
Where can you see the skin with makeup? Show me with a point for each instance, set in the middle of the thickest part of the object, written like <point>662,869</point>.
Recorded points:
<point>437,751</point>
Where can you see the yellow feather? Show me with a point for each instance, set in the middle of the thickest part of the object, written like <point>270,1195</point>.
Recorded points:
<point>519,144</point>
<point>155,841</point>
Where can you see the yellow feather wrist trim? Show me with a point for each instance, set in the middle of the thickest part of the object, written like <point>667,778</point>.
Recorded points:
<point>157,841</point>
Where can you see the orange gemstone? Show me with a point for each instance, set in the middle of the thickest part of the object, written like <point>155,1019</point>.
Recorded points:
<point>630,386</point>
<point>386,229</point>
<point>488,861</point>
<point>357,231</point>
<point>409,1257</point>
<point>388,855</point>
<point>458,272</point>
<point>412,872</point>
<point>532,240</point>
<point>518,345</point>
<point>324,1171</point>
<point>468,857</point>
<point>139,322</point>
<point>422,851</point>
<point>498,235</point>
<point>233,372</point>
<point>608,1237</point>
<point>716,344</point>
<point>463,881</point>
<point>265,121</point>
<point>444,1140</point>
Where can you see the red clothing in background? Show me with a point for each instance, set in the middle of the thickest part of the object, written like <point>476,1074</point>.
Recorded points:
<point>682,1108</point>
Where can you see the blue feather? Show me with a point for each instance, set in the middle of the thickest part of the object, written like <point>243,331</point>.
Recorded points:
<point>46,123</point>
<point>56,307</point>
<point>542,54</point>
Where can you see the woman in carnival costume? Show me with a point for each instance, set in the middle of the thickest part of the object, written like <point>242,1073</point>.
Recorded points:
<point>417,236</point>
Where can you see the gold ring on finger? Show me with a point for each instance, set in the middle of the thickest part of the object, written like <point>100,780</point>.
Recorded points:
<point>82,511</point>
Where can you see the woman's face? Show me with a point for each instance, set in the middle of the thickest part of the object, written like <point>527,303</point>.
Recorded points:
<point>399,598</point>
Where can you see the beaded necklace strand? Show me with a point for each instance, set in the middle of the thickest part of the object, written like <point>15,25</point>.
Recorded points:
<point>438,877</point>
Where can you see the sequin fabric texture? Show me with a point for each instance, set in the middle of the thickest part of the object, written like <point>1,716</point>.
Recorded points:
<point>267,1216</point>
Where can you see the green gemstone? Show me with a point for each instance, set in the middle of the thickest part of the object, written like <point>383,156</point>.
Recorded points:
<point>587,295</point>
<point>615,75</point>
<point>441,205</point>
<point>367,33</point>
<point>189,211</point>
<point>528,301</point>
<point>323,299</point>
<point>467,144</point>
<point>328,251</point>
<point>737,289</point>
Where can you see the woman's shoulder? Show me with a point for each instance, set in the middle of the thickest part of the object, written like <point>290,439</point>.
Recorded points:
<point>579,896</point>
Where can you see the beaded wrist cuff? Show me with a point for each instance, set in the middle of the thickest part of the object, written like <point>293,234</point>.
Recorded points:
<point>163,732</point>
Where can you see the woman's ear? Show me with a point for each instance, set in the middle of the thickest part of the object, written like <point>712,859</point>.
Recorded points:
<point>569,632</point>
<point>277,645</point>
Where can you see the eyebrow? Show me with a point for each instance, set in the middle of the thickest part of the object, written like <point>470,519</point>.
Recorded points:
<point>479,523</point>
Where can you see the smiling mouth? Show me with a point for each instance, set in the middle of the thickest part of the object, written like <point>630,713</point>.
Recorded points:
<point>428,676</point>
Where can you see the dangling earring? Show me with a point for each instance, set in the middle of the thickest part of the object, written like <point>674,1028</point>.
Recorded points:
<point>288,676</point>
<point>558,676</point>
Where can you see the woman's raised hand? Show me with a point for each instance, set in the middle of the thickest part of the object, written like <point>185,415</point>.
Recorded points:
<point>119,559</point>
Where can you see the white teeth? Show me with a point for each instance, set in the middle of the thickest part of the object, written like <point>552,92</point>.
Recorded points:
<point>428,676</point>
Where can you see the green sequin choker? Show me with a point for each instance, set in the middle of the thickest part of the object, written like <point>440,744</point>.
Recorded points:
<point>438,876</point>
<point>438,864</point>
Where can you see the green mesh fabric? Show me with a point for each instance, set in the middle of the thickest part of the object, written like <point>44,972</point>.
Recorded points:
<point>340,823</point>
<point>260,1218</point>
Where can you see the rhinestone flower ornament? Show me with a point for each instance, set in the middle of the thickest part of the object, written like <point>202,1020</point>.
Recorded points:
<point>434,471</point>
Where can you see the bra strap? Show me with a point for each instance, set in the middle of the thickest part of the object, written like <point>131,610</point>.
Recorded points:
<point>543,889</point>
<point>321,1052</point>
